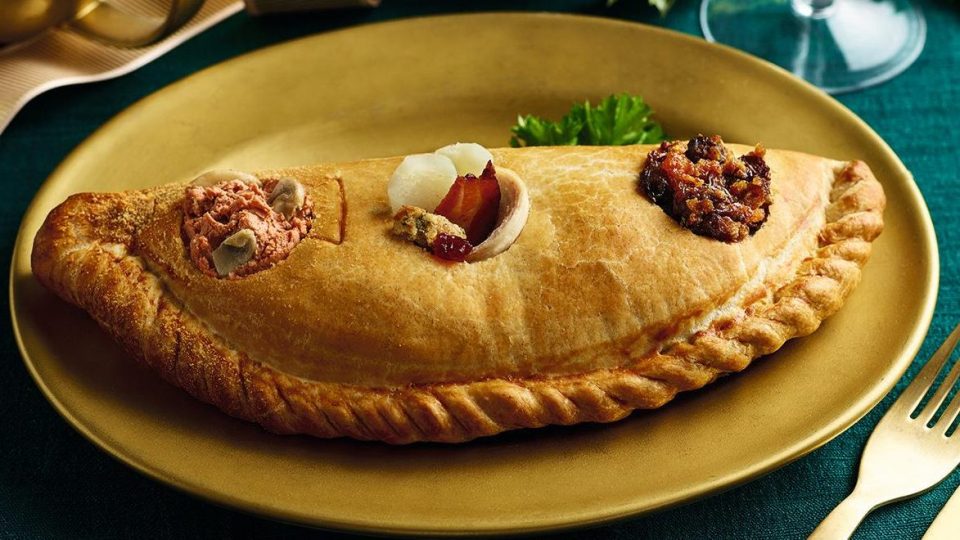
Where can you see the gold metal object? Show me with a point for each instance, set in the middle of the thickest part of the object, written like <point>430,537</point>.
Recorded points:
<point>946,526</point>
<point>144,29</point>
<point>59,58</point>
<point>22,19</point>
<point>124,23</point>
<point>904,457</point>
<point>373,91</point>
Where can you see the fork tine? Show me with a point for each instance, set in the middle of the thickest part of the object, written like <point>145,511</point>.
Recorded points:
<point>950,413</point>
<point>937,399</point>
<point>915,391</point>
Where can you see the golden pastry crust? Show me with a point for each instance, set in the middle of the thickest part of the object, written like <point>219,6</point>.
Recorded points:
<point>107,253</point>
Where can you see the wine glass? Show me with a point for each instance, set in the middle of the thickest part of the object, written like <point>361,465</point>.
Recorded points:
<point>838,45</point>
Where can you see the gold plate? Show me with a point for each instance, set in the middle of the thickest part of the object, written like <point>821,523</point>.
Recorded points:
<point>412,86</point>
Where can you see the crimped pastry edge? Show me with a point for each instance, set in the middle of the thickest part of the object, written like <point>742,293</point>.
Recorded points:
<point>97,272</point>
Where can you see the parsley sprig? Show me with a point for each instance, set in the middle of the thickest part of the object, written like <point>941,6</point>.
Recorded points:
<point>617,120</point>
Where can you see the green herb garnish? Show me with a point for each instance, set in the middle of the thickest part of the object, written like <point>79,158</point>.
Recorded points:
<point>535,131</point>
<point>617,120</point>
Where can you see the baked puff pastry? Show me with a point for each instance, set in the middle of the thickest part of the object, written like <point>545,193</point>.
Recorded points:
<point>603,304</point>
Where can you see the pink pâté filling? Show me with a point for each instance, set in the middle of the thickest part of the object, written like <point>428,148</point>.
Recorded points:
<point>211,214</point>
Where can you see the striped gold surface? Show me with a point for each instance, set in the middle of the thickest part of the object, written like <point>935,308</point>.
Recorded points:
<point>60,57</point>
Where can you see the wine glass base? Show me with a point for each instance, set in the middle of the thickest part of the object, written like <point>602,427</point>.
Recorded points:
<point>851,44</point>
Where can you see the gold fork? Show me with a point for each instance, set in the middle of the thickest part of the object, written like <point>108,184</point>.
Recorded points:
<point>903,457</point>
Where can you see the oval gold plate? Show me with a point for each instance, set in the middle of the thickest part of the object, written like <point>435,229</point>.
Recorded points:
<point>412,86</point>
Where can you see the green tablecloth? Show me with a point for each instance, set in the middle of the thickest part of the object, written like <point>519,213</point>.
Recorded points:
<point>53,483</point>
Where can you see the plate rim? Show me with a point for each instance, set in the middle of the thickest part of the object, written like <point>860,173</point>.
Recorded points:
<point>817,439</point>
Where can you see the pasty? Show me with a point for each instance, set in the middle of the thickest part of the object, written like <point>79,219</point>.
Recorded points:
<point>327,323</point>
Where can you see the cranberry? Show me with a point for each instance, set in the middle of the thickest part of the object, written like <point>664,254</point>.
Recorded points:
<point>451,248</point>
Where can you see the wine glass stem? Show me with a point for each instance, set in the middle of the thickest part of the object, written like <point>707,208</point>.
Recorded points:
<point>814,9</point>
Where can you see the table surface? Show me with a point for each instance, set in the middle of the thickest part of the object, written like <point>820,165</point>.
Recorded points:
<point>54,483</point>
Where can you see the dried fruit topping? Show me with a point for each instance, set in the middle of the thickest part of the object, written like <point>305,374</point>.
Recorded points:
<point>473,203</point>
<point>707,189</point>
<point>451,248</point>
<point>703,147</point>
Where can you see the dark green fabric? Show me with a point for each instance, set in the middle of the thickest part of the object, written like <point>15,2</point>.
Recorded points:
<point>53,483</point>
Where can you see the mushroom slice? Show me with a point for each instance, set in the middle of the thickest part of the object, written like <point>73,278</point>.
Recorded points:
<point>514,210</point>
<point>287,196</point>
<point>234,252</point>
<point>215,176</point>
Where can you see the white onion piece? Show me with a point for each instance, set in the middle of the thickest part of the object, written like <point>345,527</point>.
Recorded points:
<point>514,210</point>
<point>469,158</point>
<point>421,180</point>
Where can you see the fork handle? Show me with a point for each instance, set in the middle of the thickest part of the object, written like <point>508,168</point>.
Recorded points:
<point>844,519</point>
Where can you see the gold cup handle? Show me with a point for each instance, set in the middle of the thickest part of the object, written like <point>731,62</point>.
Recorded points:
<point>107,23</point>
